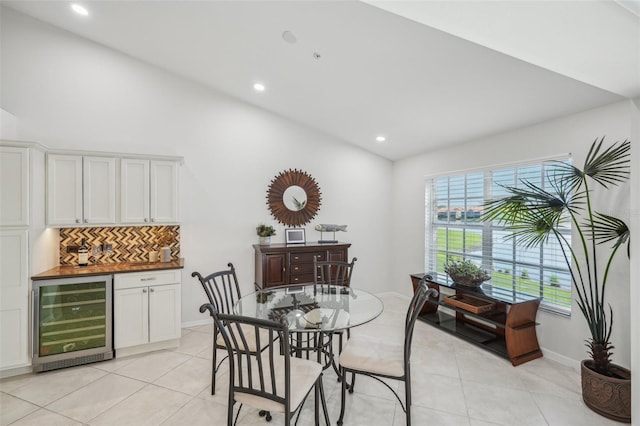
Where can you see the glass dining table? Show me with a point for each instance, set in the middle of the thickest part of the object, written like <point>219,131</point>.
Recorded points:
<point>313,314</point>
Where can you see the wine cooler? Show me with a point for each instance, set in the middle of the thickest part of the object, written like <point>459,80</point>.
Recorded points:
<point>72,321</point>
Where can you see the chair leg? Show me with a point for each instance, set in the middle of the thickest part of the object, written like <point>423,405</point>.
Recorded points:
<point>324,403</point>
<point>213,371</point>
<point>353,381</point>
<point>230,421</point>
<point>316,401</point>
<point>407,399</point>
<point>265,414</point>
<point>343,395</point>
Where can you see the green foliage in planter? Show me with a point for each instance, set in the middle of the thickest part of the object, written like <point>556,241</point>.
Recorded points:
<point>465,271</point>
<point>265,230</point>
<point>535,215</point>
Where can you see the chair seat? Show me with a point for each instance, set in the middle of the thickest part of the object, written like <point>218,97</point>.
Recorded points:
<point>373,356</point>
<point>250,334</point>
<point>304,374</point>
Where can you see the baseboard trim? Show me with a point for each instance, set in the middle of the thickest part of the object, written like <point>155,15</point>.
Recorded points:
<point>196,323</point>
<point>16,371</point>
<point>149,347</point>
<point>561,359</point>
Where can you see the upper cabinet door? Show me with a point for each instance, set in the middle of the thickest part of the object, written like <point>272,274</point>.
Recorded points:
<point>134,191</point>
<point>164,191</point>
<point>64,189</point>
<point>14,178</point>
<point>99,181</point>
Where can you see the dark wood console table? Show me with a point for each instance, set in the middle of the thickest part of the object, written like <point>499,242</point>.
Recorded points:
<point>508,330</point>
<point>278,265</point>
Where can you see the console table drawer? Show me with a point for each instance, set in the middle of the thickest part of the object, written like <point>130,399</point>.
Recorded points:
<point>307,257</point>
<point>301,268</point>
<point>301,278</point>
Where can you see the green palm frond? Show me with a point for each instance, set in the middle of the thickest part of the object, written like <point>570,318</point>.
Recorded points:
<point>610,166</point>
<point>530,204</point>
<point>608,228</point>
<point>566,174</point>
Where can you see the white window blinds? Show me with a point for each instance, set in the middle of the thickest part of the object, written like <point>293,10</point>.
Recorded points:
<point>453,208</point>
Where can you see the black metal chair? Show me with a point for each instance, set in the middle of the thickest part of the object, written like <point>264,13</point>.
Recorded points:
<point>376,359</point>
<point>271,380</point>
<point>329,273</point>
<point>223,292</point>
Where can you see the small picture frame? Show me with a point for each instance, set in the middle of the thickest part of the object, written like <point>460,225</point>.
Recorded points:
<point>294,236</point>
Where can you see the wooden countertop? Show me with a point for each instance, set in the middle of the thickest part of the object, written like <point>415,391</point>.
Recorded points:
<point>114,268</point>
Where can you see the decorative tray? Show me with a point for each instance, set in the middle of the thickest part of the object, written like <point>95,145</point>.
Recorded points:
<point>472,304</point>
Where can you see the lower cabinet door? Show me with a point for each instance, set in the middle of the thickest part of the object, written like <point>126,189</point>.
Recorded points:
<point>164,312</point>
<point>131,317</point>
<point>275,269</point>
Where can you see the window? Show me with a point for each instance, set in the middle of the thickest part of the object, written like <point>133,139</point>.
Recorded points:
<point>453,208</point>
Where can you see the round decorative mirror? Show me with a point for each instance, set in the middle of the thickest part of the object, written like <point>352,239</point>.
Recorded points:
<point>293,197</point>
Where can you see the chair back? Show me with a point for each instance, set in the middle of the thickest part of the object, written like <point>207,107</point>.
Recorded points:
<point>330,272</point>
<point>422,293</point>
<point>222,288</point>
<point>266,373</point>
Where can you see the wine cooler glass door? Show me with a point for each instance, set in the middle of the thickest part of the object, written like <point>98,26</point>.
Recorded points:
<point>73,319</point>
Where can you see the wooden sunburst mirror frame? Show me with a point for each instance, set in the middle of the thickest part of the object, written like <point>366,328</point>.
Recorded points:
<point>275,197</point>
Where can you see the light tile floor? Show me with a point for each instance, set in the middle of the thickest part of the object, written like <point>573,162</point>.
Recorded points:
<point>453,383</point>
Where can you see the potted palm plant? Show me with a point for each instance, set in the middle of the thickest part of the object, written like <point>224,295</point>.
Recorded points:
<point>535,215</point>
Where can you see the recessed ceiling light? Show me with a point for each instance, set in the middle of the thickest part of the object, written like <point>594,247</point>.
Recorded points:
<point>79,9</point>
<point>380,138</point>
<point>289,37</point>
<point>258,87</point>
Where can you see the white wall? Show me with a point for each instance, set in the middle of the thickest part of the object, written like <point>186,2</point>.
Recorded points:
<point>560,337</point>
<point>70,93</point>
<point>635,263</point>
<point>8,125</point>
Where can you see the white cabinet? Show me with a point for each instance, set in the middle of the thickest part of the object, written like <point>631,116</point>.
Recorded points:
<point>80,190</point>
<point>14,298</point>
<point>24,247</point>
<point>99,189</point>
<point>146,311</point>
<point>149,191</point>
<point>134,191</point>
<point>14,196</point>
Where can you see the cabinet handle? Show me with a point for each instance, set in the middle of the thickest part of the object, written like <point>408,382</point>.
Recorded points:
<point>295,258</point>
<point>146,220</point>
<point>295,268</point>
<point>153,220</point>
<point>151,290</point>
<point>148,279</point>
<point>144,290</point>
<point>77,220</point>
<point>86,221</point>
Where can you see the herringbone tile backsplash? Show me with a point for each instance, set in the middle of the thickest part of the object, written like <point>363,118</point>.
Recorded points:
<point>130,243</point>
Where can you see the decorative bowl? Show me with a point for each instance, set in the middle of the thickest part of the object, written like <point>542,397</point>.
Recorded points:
<point>468,281</point>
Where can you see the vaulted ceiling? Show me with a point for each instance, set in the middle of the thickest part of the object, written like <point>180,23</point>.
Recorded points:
<point>422,74</point>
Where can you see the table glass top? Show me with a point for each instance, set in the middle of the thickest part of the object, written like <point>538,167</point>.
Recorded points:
<point>308,309</point>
